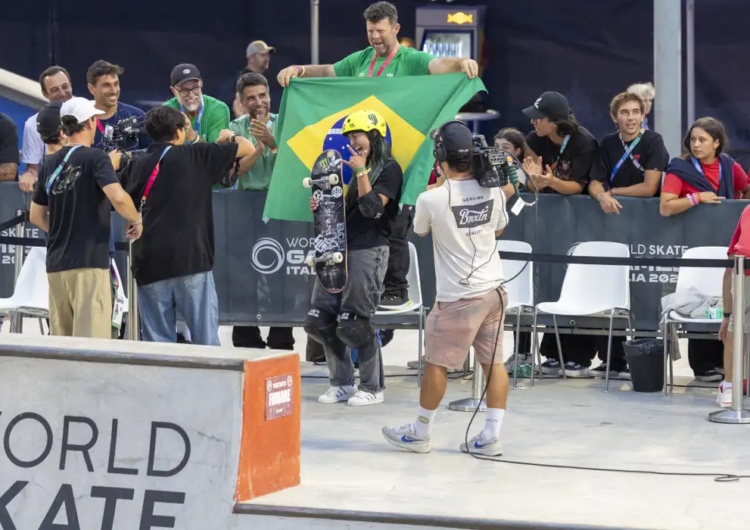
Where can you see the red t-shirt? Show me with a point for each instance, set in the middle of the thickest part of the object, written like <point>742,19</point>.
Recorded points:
<point>673,183</point>
<point>740,244</point>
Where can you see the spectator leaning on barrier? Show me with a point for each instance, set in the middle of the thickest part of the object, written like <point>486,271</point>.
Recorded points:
<point>208,116</point>
<point>103,80</point>
<point>8,149</point>
<point>470,301</point>
<point>648,93</point>
<point>739,246</point>
<point>257,125</point>
<point>340,320</point>
<point>56,86</point>
<point>173,262</point>
<point>72,204</point>
<point>707,175</point>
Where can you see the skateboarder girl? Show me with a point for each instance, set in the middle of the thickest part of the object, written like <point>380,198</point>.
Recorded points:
<point>340,320</point>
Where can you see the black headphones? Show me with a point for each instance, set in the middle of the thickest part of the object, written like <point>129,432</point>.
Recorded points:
<point>439,151</point>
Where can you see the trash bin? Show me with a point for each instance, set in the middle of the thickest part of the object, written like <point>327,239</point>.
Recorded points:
<point>646,361</point>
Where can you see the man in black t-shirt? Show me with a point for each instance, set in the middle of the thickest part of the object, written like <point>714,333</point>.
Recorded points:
<point>8,149</point>
<point>371,205</point>
<point>172,263</point>
<point>70,204</point>
<point>561,150</point>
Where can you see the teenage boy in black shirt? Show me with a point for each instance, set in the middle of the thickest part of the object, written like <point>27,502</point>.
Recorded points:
<point>560,162</point>
<point>172,263</point>
<point>70,204</point>
<point>561,150</point>
<point>630,163</point>
<point>340,320</point>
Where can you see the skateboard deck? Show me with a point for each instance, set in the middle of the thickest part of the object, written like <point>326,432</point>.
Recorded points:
<point>329,255</point>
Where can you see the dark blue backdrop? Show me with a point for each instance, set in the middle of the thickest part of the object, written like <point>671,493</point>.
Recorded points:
<point>585,49</point>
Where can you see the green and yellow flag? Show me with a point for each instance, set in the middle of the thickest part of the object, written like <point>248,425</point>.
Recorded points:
<point>313,110</point>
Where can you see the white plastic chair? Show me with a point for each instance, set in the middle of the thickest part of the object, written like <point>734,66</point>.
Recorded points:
<point>705,280</point>
<point>414,305</point>
<point>31,294</point>
<point>591,290</point>
<point>520,289</point>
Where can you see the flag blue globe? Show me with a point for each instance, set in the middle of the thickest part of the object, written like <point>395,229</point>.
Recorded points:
<point>336,140</point>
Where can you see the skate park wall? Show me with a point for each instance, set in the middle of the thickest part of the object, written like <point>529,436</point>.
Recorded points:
<point>116,434</point>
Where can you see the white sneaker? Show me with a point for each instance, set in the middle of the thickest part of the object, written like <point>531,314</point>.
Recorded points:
<point>362,398</point>
<point>478,446</point>
<point>406,438</point>
<point>724,397</point>
<point>337,393</point>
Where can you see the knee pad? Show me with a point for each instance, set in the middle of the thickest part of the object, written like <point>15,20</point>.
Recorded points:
<point>320,325</point>
<point>354,330</point>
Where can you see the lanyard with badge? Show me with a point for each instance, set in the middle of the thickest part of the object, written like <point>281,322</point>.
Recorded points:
<point>59,169</point>
<point>628,154</point>
<point>562,147</point>
<point>700,170</point>
<point>151,180</point>
<point>386,63</point>
<point>197,127</point>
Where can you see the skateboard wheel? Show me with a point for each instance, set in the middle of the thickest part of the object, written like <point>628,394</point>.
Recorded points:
<point>307,182</point>
<point>310,260</point>
<point>333,179</point>
<point>338,257</point>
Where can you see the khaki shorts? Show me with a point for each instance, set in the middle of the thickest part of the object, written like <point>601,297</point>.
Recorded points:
<point>80,303</point>
<point>453,327</point>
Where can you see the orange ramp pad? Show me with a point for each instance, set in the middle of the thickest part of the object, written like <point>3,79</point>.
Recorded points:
<point>271,417</point>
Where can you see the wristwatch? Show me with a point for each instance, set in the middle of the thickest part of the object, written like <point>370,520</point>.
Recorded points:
<point>727,314</point>
<point>233,138</point>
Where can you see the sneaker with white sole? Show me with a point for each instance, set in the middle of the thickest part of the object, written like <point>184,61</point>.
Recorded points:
<point>551,367</point>
<point>724,396</point>
<point>478,446</point>
<point>335,394</point>
<point>406,438</point>
<point>363,398</point>
<point>575,370</point>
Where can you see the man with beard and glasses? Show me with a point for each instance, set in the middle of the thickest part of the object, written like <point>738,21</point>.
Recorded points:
<point>103,80</point>
<point>257,125</point>
<point>56,86</point>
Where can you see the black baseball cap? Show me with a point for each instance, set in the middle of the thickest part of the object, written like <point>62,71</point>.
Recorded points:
<point>48,120</point>
<point>456,137</point>
<point>552,105</point>
<point>184,72</point>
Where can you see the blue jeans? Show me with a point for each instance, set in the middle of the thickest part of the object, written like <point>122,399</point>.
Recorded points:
<point>194,297</point>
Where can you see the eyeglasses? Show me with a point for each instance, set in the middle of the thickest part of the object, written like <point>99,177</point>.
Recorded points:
<point>195,90</point>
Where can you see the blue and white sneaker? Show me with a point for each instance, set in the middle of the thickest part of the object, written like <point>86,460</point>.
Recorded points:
<point>335,394</point>
<point>405,438</point>
<point>478,446</point>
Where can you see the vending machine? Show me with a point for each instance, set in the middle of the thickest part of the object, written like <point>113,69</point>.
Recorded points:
<point>452,31</point>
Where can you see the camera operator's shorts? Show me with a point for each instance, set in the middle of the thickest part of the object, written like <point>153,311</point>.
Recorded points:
<point>746,288</point>
<point>453,327</point>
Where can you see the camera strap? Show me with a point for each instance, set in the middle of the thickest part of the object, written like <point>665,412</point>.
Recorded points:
<point>628,153</point>
<point>151,179</point>
<point>59,169</point>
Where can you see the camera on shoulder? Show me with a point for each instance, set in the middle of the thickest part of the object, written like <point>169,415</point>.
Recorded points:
<point>492,167</point>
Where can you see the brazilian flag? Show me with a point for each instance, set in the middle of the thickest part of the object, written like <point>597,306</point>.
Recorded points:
<point>312,114</point>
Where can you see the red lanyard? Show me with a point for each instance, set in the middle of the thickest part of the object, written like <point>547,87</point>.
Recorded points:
<point>100,127</point>
<point>152,178</point>
<point>387,61</point>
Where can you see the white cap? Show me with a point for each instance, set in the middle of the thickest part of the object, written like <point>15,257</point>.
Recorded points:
<point>80,108</point>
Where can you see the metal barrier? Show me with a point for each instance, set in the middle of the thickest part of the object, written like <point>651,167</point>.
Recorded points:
<point>19,257</point>
<point>477,389</point>
<point>133,318</point>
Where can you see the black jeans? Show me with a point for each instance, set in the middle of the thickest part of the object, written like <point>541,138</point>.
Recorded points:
<point>582,349</point>
<point>398,259</point>
<point>249,337</point>
<point>705,355</point>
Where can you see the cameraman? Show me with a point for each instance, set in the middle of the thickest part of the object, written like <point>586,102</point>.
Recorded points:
<point>464,218</point>
<point>104,84</point>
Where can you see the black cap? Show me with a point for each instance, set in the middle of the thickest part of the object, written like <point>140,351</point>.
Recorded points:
<point>455,137</point>
<point>552,105</point>
<point>48,120</point>
<point>184,72</point>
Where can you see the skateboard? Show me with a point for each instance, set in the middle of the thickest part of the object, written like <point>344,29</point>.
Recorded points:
<point>329,246</point>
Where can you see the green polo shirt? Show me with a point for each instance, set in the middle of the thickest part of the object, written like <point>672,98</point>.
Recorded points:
<point>259,176</point>
<point>407,61</point>
<point>215,117</point>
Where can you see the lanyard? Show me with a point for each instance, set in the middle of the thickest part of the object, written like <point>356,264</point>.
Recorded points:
<point>152,178</point>
<point>197,127</point>
<point>59,169</point>
<point>100,126</point>
<point>700,170</point>
<point>387,61</point>
<point>628,153</point>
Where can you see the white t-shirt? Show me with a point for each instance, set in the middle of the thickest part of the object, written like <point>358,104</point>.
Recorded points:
<point>467,264</point>
<point>32,149</point>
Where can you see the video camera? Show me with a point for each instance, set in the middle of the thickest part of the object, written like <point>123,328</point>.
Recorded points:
<point>492,167</point>
<point>114,137</point>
